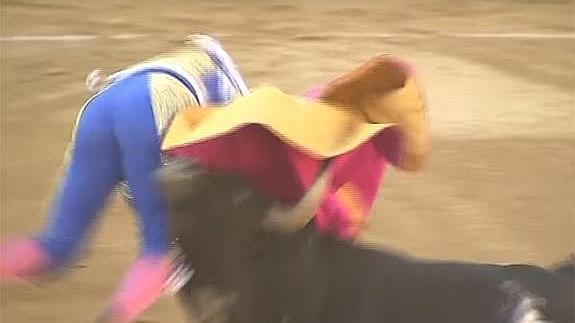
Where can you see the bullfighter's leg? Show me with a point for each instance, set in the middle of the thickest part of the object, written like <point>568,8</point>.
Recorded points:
<point>139,142</point>
<point>116,138</point>
<point>92,172</point>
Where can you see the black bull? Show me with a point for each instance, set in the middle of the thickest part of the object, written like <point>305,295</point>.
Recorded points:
<point>306,277</point>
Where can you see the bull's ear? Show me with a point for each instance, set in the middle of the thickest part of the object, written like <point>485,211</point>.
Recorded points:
<point>181,178</point>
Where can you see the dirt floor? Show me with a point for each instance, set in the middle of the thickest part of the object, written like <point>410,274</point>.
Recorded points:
<point>500,186</point>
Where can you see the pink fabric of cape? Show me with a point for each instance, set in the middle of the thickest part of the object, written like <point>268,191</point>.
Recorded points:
<point>284,172</point>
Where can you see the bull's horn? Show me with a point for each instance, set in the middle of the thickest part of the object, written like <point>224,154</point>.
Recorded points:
<point>292,218</point>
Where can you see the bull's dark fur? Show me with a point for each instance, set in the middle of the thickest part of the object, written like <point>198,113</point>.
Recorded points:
<point>306,277</point>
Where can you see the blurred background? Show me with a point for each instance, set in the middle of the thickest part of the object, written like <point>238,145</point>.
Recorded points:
<point>499,78</point>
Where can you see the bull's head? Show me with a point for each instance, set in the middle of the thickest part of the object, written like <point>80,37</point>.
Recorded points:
<point>221,222</point>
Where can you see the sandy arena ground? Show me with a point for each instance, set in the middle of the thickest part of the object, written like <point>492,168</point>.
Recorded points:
<point>500,185</point>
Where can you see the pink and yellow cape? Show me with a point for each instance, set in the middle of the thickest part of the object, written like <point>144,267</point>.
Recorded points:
<point>279,143</point>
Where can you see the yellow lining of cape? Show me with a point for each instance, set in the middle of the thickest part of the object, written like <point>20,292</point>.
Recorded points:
<point>320,129</point>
